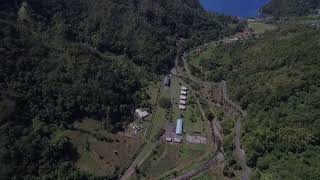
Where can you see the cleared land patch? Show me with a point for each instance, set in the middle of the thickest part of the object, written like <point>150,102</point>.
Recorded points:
<point>167,157</point>
<point>259,27</point>
<point>101,153</point>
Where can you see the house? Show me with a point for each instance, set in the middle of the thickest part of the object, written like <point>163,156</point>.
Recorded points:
<point>168,139</point>
<point>182,107</point>
<point>179,127</point>
<point>167,81</point>
<point>141,114</point>
<point>183,92</point>
<point>184,88</point>
<point>183,97</point>
<point>183,102</point>
<point>177,140</point>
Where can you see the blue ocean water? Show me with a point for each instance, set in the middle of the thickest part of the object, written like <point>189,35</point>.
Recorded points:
<point>242,8</point>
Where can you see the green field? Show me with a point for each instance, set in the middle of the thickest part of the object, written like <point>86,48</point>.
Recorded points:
<point>260,27</point>
<point>165,158</point>
<point>101,153</point>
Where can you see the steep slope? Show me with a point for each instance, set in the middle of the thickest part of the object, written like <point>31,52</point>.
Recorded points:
<point>276,79</point>
<point>62,60</point>
<point>291,7</point>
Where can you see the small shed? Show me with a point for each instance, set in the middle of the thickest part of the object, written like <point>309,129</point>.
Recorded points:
<point>167,81</point>
<point>179,127</point>
<point>168,139</point>
<point>184,88</point>
<point>183,102</point>
<point>183,92</point>
<point>177,140</point>
<point>183,97</point>
<point>141,114</point>
<point>182,107</point>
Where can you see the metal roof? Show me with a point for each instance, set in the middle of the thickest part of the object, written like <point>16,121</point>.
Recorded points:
<point>179,127</point>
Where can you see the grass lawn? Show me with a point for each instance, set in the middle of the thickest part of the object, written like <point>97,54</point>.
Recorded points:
<point>260,27</point>
<point>166,157</point>
<point>101,153</point>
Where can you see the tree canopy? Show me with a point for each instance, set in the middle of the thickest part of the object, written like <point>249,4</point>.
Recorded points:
<point>291,7</point>
<point>276,79</point>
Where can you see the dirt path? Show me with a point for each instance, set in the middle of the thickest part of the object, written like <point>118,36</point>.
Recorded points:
<point>240,152</point>
<point>146,149</point>
<point>138,162</point>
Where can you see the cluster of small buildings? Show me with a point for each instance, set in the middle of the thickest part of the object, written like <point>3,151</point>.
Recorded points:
<point>175,135</point>
<point>183,98</point>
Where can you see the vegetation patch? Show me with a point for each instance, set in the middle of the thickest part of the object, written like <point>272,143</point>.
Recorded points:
<point>276,79</point>
<point>167,157</point>
<point>101,153</point>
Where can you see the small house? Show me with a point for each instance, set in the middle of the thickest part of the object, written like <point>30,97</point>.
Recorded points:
<point>183,92</point>
<point>141,114</point>
<point>177,140</point>
<point>168,139</point>
<point>183,97</point>
<point>183,102</point>
<point>184,88</point>
<point>182,107</point>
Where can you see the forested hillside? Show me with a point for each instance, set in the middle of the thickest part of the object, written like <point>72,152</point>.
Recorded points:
<point>291,7</point>
<point>62,60</point>
<point>276,79</point>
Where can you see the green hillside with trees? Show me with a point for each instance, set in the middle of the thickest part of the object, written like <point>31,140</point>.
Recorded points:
<point>291,7</point>
<point>276,79</point>
<point>62,60</point>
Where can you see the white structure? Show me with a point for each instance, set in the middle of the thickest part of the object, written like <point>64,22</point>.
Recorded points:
<point>183,102</point>
<point>168,139</point>
<point>183,97</point>
<point>141,114</point>
<point>184,88</point>
<point>182,107</point>
<point>177,140</point>
<point>179,127</point>
<point>183,92</point>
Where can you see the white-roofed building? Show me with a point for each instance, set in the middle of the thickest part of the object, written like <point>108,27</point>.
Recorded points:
<point>182,107</point>
<point>141,114</point>
<point>184,88</point>
<point>183,92</point>
<point>183,97</point>
<point>168,139</point>
<point>177,140</point>
<point>183,102</point>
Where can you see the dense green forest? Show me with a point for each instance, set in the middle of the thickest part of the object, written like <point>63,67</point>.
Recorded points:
<point>291,7</point>
<point>276,79</point>
<point>62,60</point>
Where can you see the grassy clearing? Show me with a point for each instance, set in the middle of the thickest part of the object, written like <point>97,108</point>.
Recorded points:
<point>260,27</point>
<point>167,157</point>
<point>101,153</point>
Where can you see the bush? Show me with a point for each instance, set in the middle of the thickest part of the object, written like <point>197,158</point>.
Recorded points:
<point>165,103</point>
